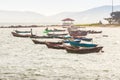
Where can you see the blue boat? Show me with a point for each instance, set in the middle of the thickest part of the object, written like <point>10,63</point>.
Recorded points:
<point>81,38</point>
<point>72,43</point>
<point>75,40</point>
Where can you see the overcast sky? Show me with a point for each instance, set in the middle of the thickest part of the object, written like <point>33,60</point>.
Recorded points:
<point>51,7</point>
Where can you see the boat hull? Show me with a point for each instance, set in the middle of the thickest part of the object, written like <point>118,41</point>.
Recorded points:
<point>72,43</point>
<point>84,50</point>
<point>22,31</point>
<point>44,42</point>
<point>19,35</point>
<point>54,46</point>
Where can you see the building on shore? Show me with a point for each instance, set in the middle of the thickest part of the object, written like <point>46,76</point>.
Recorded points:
<point>68,22</point>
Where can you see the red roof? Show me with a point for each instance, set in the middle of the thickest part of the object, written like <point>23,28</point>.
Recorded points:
<point>67,19</point>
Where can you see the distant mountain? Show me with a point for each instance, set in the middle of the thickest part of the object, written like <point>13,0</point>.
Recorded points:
<point>19,16</point>
<point>89,16</point>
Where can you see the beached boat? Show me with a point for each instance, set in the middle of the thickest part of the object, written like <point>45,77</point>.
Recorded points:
<point>22,31</point>
<point>43,42</point>
<point>83,50</point>
<point>54,46</point>
<point>21,35</point>
<point>72,43</point>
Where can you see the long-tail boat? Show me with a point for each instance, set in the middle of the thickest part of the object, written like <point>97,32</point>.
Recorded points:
<point>45,37</point>
<point>43,42</point>
<point>22,31</point>
<point>72,43</point>
<point>54,46</point>
<point>21,35</point>
<point>41,36</point>
<point>83,50</point>
<point>75,40</point>
<point>93,32</point>
<point>83,38</point>
<point>78,37</point>
<point>75,32</point>
<point>78,33</point>
<point>54,30</point>
<point>54,35</point>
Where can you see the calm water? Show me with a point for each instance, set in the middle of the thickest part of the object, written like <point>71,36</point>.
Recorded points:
<point>27,24</point>
<point>20,59</point>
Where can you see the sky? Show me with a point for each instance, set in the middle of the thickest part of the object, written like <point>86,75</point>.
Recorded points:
<point>51,7</point>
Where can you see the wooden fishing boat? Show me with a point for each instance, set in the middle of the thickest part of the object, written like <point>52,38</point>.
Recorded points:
<point>20,35</point>
<point>94,32</point>
<point>75,40</point>
<point>41,36</point>
<point>83,50</point>
<point>22,31</point>
<point>54,46</point>
<point>86,39</point>
<point>72,43</point>
<point>43,42</point>
<point>38,42</point>
<point>54,35</point>
<point>58,30</point>
<point>45,37</point>
<point>75,32</point>
<point>54,30</point>
<point>83,38</point>
<point>78,37</point>
<point>78,33</point>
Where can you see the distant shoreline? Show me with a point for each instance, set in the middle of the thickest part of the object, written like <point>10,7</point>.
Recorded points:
<point>80,26</point>
<point>31,26</point>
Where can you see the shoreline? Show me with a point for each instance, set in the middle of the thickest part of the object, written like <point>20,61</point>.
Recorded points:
<point>41,26</point>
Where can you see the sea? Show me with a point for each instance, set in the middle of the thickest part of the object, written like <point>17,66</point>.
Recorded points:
<point>21,59</point>
<point>26,24</point>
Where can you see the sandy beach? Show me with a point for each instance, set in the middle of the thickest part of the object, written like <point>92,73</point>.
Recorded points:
<point>21,59</point>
